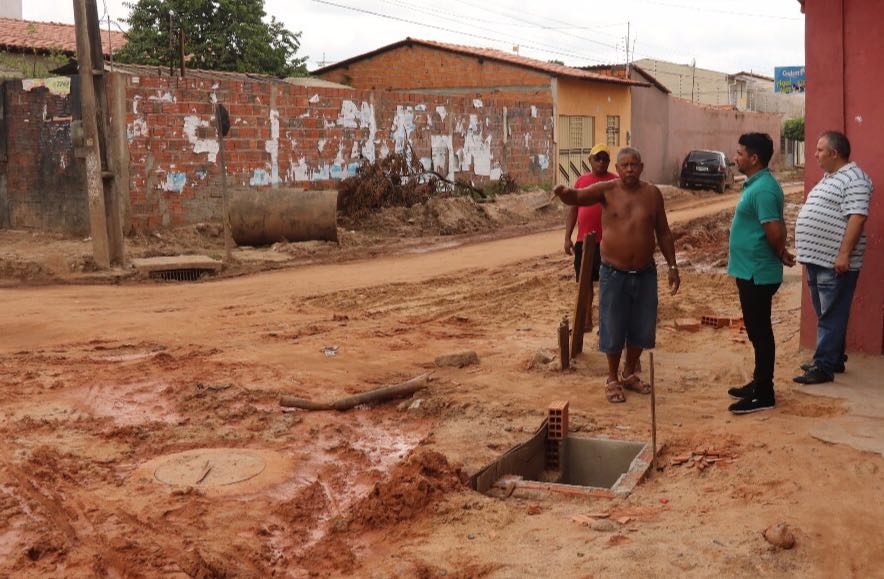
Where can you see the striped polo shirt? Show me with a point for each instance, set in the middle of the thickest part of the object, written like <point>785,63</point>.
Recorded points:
<point>822,221</point>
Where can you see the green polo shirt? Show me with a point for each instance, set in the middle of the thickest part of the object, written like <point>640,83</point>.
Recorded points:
<point>750,256</point>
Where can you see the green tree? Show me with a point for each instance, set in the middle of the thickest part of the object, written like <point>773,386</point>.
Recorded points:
<point>227,35</point>
<point>793,129</point>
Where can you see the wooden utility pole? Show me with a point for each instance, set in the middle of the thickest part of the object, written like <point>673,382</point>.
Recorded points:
<point>91,143</point>
<point>222,121</point>
<point>181,49</point>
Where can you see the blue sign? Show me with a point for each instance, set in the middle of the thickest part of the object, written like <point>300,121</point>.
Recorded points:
<point>789,79</point>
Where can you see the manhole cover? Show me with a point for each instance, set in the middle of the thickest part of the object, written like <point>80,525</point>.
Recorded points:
<point>209,467</point>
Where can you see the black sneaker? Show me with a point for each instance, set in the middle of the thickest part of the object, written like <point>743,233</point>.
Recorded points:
<point>752,404</point>
<point>839,369</point>
<point>746,391</point>
<point>814,376</point>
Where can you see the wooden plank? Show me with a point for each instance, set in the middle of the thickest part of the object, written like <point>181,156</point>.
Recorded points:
<point>564,354</point>
<point>584,295</point>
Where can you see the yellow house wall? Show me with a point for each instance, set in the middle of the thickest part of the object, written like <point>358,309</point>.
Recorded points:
<point>596,99</point>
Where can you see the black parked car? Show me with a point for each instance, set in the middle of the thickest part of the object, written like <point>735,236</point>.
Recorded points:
<point>707,168</point>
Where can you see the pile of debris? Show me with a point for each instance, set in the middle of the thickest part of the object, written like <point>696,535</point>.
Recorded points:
<point>701,459</point>
<point>402,180</point>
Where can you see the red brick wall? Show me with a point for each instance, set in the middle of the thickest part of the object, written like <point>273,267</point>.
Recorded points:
<point>419,67</point>
<point>41,184</point>
<point>175,174</point>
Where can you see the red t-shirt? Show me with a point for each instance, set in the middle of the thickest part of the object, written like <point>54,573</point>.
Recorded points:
<point>589,218</point>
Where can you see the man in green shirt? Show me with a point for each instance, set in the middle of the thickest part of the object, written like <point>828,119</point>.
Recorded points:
<point>756,254</point>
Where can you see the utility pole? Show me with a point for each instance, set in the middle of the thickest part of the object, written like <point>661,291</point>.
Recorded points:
<point>628,24</point>
<point>105,215</point>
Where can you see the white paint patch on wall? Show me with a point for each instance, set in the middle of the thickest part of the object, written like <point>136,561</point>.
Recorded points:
<point>137,128</point>
<point>348,114</point>
<point>175,182</point>
<point>314,99</point>
<point>444,161</point>
<point>301,172</point>
<point>403,127</point>
<point>272,146</point>
<point>440,110</point>
<point>477,103</point>
<point>367,120</point>
<point>321,144</point>
<point>259,177</point>
<point>163,97</point>
<point>210,146</point>
<point>533,112</point>
<point>476,151</point>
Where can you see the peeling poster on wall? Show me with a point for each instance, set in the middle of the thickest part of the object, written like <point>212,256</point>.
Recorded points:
<point>59,85</point>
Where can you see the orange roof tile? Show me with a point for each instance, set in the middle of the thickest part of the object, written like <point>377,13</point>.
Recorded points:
<point>492,54</point>
<point>28,35</point>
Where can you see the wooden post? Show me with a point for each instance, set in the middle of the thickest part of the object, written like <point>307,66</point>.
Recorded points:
<point>228,237</point>
<point>653,415</point>
<point>94,181</point>
<point>563,345</point>
<point>584,295</point>
<point>181,49</point>
<point>118,164</point>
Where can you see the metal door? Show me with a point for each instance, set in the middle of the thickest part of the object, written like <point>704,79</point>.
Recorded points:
<point>575,141</point>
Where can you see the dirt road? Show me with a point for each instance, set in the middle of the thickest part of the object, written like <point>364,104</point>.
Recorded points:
<point>143,436</point>
<point>30,318</point>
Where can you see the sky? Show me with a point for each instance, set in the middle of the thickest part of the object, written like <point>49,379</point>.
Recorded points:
<point>724,35</point>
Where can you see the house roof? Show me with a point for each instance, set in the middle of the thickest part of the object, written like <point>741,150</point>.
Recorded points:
<point>552,69</point>
<point>32,36</point>
<point>618,70</point>
<point>152,70</point>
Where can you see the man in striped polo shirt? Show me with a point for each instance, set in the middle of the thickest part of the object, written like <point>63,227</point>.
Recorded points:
<point>830,242</point>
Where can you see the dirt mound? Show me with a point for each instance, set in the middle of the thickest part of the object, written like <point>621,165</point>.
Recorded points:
<point>424,476</point>
<point>705,240</point>
<point>456,215</point>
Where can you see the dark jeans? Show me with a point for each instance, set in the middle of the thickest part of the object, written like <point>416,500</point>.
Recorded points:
<point>756,300</point>
<point>578,260</point>
<point>831,295</point>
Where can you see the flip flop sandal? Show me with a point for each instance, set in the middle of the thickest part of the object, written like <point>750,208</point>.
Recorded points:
<point>635,384</point>
<point>614,392</point>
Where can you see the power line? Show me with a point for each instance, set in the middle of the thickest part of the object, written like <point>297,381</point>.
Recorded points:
<point>458,20</point>
<point>442,28</point>
<point>705,8</point>
<point>519,19</point>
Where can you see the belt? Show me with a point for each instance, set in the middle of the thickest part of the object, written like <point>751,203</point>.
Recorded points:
<point>650,266</point>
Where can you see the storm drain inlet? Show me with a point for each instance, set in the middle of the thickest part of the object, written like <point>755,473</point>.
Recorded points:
<point>180,274</point>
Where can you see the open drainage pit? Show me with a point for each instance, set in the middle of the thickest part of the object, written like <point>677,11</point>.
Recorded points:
<point>553,460</point>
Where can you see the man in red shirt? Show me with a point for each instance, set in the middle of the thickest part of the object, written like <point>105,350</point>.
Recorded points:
<point>588,219</point>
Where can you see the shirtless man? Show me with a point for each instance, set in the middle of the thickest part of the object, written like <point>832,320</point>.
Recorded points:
<point>634,222</point>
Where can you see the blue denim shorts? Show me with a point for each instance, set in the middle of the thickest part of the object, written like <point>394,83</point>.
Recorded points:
<point>627,308</point>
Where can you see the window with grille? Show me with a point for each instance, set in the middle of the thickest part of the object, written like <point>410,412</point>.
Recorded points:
<point>613,130</point>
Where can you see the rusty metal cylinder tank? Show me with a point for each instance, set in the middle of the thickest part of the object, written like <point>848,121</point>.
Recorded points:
<point>265,216</point>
